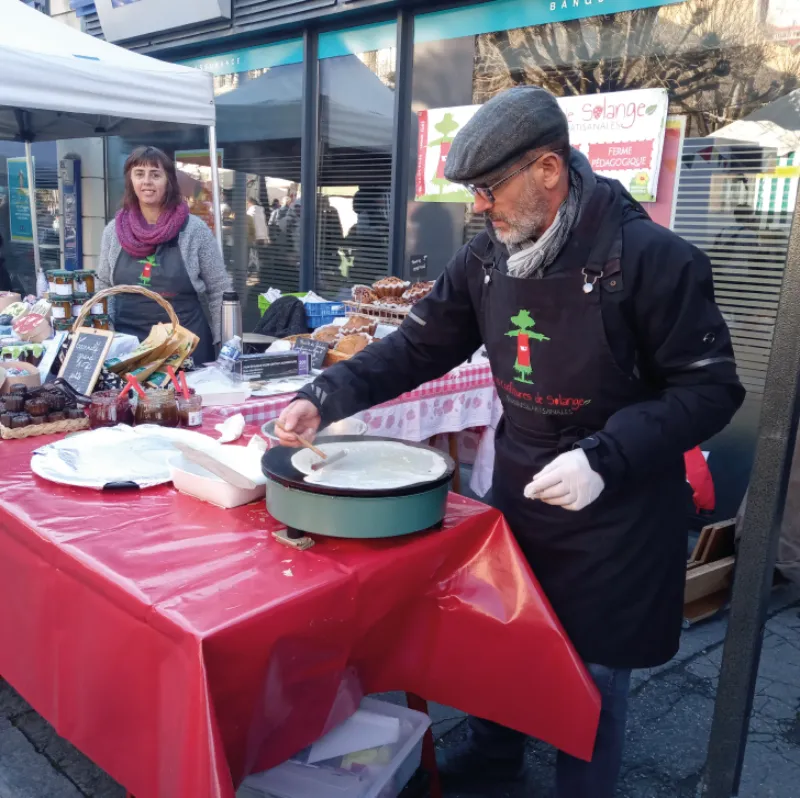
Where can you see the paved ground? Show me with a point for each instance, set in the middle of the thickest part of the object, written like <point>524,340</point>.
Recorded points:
<point>667,736</point>
<point>670,718</point>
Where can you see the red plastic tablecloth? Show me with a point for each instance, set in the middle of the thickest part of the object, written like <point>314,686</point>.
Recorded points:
<point>180,647</point>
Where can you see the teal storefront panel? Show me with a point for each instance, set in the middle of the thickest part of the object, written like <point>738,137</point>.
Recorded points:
<point>265,57</point>
<point>510,14</point>
<point>364,39</point>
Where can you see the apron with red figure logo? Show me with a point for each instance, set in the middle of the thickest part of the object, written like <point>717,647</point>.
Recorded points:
<point>607,570</point>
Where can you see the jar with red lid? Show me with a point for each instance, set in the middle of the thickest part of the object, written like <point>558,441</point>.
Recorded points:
<point>109,408</point>
<point>190,411</point>
<point>157,407</point>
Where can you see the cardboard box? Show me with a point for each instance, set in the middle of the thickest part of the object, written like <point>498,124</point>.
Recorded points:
<point>30,378</point>
<point>8,298</point>
<point>271,365</point>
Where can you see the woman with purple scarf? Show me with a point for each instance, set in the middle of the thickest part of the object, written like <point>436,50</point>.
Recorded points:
<point>154,242</point>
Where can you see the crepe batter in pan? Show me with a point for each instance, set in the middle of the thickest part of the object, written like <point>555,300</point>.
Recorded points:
<point>372,465</point>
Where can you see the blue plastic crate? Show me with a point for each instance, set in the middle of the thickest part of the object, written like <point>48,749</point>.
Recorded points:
<point>319,314</point>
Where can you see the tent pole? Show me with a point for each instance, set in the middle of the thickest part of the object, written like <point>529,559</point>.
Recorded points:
<point>215,190</point>
<point>755,558</point>
<point>34,221</point>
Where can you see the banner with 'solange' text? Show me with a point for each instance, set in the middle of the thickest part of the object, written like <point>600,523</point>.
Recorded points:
<point>621,133</point>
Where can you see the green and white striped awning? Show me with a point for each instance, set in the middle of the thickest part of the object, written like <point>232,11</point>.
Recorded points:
<point>776,191</point>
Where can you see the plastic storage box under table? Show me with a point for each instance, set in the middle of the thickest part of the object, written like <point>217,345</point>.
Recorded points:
<point>318,314</point>
<point>388,743</point>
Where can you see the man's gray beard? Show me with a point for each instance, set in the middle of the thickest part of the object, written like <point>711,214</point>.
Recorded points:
<point>515,236</point>
<point>518,234</point>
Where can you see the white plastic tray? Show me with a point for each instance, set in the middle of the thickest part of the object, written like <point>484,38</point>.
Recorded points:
<point>294,779</point>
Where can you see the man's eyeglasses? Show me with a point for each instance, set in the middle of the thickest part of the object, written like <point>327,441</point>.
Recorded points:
<point>487,192</point>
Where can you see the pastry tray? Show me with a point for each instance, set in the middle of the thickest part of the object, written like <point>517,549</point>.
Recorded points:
<point>395,316</point>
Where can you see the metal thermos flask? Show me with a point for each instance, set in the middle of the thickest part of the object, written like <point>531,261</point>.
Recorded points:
<point>231,316</point>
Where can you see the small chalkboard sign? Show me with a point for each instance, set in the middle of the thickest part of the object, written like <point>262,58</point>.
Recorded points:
<point>419,267</point>
<point>84,358</point>
<point>317,350</point>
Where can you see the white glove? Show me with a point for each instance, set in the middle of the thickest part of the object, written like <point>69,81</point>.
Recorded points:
<point>568,482</point>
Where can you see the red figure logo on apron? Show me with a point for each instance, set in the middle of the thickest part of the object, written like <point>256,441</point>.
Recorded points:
<point>147,269</point>
<point>523,331</point>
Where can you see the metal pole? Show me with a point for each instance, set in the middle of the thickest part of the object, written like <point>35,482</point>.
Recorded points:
<point>755,559</point>
<point>215,190</point>
<point>40,287</point>
<point>401,155</point>
<point>309,151</point>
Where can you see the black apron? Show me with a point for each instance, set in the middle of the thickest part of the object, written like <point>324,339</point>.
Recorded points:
<point>614,570</point>
<point>165,273</point>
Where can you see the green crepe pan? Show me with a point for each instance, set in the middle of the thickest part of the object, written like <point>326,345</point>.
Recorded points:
<point>349,513</point>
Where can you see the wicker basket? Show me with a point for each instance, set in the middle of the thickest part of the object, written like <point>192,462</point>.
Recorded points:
<point>54,428</point>
<point>86,309</point>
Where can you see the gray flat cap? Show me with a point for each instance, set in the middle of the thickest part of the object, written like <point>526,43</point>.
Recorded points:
<point>515,121</point>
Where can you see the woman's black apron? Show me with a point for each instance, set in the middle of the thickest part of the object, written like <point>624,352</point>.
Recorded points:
<point>165,273</point>
<point>614,570</point>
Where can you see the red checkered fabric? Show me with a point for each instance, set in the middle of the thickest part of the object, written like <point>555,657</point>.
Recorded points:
<point>464,378</point>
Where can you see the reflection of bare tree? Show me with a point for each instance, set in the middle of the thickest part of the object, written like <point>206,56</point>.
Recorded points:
<point>712,56</point>
<point>382,64</point>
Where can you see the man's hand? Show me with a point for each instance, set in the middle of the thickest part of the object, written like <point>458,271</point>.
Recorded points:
<point>568,482</point>
<point>300,418</point>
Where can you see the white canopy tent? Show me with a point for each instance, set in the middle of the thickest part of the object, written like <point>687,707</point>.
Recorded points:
<point>774,126</point>
<point>59,83</point>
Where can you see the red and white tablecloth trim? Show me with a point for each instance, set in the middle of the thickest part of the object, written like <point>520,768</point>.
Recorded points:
<point>421,418</point>
<point>462,401</point>
<point>462,380</point>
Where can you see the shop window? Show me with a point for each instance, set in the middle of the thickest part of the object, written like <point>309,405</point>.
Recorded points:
<point>259,100</point>
<point>357,75</point>
<point>17,270</point>
<point>733,84</point>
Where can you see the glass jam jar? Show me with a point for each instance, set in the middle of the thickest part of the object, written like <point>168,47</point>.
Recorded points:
<point>157,407</point>
<point>61,308</point>
<point>84,282</point>
<point>109,408</point>
<point>78,301</point>
<point>100,322</point>
<point>190,411</point>
<point>99,308</point>
<point>60,283</point>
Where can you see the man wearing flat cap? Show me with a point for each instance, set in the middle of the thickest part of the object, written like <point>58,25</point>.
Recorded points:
<point>611,360</point>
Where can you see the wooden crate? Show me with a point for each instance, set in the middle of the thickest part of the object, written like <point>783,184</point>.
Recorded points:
<point>709,572</point>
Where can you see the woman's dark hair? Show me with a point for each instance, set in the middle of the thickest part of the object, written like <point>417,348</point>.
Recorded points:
<point>151,156</point>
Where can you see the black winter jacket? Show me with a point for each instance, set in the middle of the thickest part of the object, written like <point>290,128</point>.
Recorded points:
<point>662,323</point>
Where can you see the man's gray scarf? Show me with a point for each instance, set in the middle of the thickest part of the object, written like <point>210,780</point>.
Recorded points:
<point>531,258</point>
